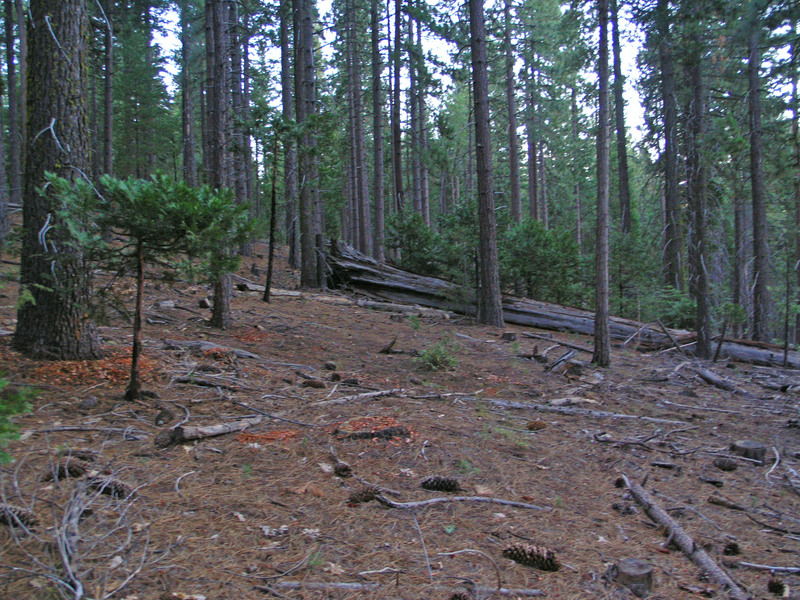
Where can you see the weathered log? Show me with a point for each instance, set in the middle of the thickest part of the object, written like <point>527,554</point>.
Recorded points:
<point>351,270</point>
<point>179,435</point>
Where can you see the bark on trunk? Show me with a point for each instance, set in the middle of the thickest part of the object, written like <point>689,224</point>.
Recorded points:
<point>377,133</point>
<point>761,296</point>
<point>14,138</point>
<point>619,113</point>
<point>602,336</point>
<point>490,310</point>
<point>511,102</point>
<point>289,144</point>
<point>55,324</point>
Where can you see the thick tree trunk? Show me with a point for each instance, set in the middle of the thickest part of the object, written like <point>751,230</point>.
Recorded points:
<point>490,310</point>
<point>796,188</point>
<point>511,102</point>
<point>23,82</point>
<point>673,268</point>
<point>55,323</point>
<point>305,106</point>
<point>619,113</point>
<point>761,296</point>
<point>699,203</point>
<point>108,90</point>
<point>377,133</point>
<point>577,174</point>
<point>602,336</point>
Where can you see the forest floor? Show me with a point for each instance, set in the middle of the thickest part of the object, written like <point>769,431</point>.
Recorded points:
<point>220,517</point>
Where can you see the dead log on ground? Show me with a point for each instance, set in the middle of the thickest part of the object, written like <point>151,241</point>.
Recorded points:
<point>350,269</point>
<point>684,542</point>
<point>179,435</point>
<point>204,346</point>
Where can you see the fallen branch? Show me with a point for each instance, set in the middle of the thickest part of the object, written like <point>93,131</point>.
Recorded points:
<point>179,435</point>
<point>566,410</point>
<point>445,500</point>
<point>684,542</point>
<point>577,347</point>
<point>364,396</point>
<point>231,386</point>
<point>369,587</point>
<point>757,567</point>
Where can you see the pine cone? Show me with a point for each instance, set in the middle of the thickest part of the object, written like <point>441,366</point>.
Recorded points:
<point>440,484</point>
<point>776,586</point>
<point>111,487</point>
<point>342,469</point>
<point>536,425</point>
<point>533,556</point>
<point>365,494</point>
<point>14,515</point>
<point>725,464</point>
<point>66,469</point>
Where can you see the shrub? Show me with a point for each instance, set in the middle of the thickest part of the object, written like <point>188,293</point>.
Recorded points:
<point>437,357</point>
<point>13,401</point>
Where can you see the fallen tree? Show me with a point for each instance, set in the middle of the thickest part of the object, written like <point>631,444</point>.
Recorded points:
<point>351,270</point>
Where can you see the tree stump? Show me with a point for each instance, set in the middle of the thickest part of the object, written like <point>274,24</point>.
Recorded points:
<point>636,575</point>
<point>750,449</point>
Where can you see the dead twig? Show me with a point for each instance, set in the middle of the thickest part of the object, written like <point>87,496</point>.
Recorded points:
<point>446,500</point>
<point>424,547</point>
<point>178,482</point>
<point>483,554</point>
<point>364,396</point>
<point>757,567</point>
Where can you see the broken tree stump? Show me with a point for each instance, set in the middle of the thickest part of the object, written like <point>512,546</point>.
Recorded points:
<point>636,575</point>
<point>750,449</point>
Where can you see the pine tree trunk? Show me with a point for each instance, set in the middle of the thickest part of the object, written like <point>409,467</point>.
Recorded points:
<point>673,268</point>
<point>795,107</point>
<point>289,144</point>
<point>490,310</point>
<point>698,201</point>
<point>533,145</point>
<point>397,133</point>
<point>761,296</point>
<point>187,95</point>
<point>576,173</point>
<point>55,324</point>
<point>377,133</point>
<point>14,137</point>
<point>511,102</point>
<point>619,112</point>
<point>108,91</point>
<point>305,100</point>
<point>602,336</point>
<point>133,392</point>
<point>23,84</point>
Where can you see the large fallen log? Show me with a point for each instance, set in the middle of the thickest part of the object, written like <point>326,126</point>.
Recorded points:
<point>349,269</point>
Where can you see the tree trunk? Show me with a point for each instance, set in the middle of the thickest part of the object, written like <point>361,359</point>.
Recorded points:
<point>187,108</point>
<point>511,102</point>
<point>699,203</point>
<point>795,107</point>
<point>305,99</point>
<point>397,133</point>
<point>55,323</point>
<point>23,84</point>
<point>761,296</point>
<point>490,310</point>
<point>577,174</point>
<point>530,129</point>
<point>673,268</point>
<point>14,138</point>
<point>602,336</point>
<point>619,112</point>
<point>133,392</point>
<point>377,134</point>
<point>290,143</point>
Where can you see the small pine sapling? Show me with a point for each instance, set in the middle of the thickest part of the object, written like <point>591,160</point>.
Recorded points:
<point>159,221</point>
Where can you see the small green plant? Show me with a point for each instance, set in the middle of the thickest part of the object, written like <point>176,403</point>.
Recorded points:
<point>437,357</point>
<point>466,467</point>
<point>247,470</point>
<point>413,320</point>
<point>13,401</point>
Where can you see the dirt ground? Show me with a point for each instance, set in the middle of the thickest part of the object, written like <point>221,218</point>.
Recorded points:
<point>269,512</point>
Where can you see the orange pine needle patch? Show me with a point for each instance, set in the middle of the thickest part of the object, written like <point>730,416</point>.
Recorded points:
<point>114,368</point>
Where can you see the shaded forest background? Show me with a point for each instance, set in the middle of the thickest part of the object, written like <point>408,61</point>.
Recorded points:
<point>364,133</point>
